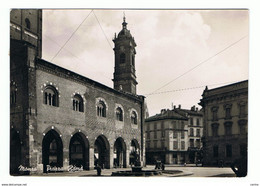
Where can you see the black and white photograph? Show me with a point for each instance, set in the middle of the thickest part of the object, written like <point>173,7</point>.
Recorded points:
<point>126,93</point>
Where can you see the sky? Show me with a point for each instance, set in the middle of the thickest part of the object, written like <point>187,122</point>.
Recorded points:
<point>179,52</point>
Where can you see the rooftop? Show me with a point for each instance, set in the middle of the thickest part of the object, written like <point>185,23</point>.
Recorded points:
<point>167,114</point>
<point>226,88</point>
<point>189,112</point>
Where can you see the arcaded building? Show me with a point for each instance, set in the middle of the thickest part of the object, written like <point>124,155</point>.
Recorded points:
<point>225,123</point>
<point>60,118</point>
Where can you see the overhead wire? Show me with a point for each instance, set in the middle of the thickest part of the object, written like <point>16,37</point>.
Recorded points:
<point>62,47</point>
<point>206,60</point>
<point>102,29</point>
<point>71,36</point>
<point>187,88</point>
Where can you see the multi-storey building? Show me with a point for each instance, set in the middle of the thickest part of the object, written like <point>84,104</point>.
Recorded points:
<point>225,123</point>
<point>195,132</point>
<point>60,118</point>
<point>166,137</point>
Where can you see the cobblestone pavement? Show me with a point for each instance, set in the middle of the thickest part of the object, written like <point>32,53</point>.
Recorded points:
<point>172,171</point>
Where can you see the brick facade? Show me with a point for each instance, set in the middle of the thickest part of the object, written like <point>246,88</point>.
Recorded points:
<point>41,129</point>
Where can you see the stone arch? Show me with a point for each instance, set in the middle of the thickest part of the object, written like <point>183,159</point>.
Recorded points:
<point>133,116</point>
<point>119,112</point>
<point>15,152</point>
<point>100,99</point>
<point>51,128</point>
<point>102,152</point>
<point>52,150</point>
<point>134,151</point>
<point>78,103</point>
<point>79,151</point>
<point>53,88</point>
<point>133,110</point>
<point>51,96</point>
<point>120,153</point>
<point>101,107</point>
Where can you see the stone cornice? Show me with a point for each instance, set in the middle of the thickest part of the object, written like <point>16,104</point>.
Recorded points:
<point>226,95</point>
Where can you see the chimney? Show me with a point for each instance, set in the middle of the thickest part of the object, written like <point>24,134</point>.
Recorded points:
<point>179,106</point>
<point>163,111</point>
<point>193,108</point>
<point>174,107</point>
<point>197,109</point>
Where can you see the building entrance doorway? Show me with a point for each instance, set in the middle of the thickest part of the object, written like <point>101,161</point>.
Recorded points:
<point>52,150</point>
<point>120,153</point>
<point>79,151</point>
<point>15,152</point>
<point>102,152</point>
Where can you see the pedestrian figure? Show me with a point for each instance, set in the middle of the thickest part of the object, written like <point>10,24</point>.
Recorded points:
<point>156,165</point>
<point>98,170</point>
<point>163,167</point>
<point>221,163</point>
<point>96,162</point>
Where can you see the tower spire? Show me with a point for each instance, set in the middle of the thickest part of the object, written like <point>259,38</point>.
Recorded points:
<point>124,23</point>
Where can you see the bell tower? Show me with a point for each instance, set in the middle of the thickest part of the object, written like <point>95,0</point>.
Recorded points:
<point>124,75</point>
